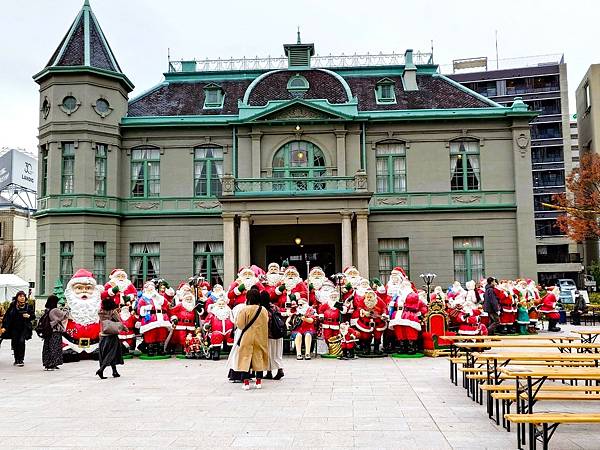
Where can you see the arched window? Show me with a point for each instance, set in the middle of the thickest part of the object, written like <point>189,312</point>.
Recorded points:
<point>299,159</point>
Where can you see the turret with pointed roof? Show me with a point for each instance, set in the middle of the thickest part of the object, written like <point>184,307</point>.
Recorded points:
<point>84,48</point>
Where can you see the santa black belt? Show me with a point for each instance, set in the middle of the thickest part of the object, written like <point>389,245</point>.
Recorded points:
<point>81,342</point>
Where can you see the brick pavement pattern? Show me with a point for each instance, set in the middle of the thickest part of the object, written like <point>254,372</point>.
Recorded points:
<point>375,403</point>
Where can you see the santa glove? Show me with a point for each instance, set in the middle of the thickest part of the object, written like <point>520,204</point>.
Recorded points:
<point>348,286</point>
<point>376,282</point>
<point>115,289</point>
<point>292,297</point>
<point>381,289</point>
<point>241,287</point>
<point>338,305</point>
<point>280,289</point>
<point>311,287</point>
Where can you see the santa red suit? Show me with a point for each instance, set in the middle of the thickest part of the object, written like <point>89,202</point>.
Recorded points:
<point>292,289</point>
<point>316,279</point>
<point>329,315</point>
<point>220,323</point>
<point>508,304</point>
<point>348,340</point>
<point>165,290</point>
<point>153,311</point>
<point>245,281</point>
<point>471,326</point>
<point>371,320</point>
<point>548,304</point>
<point>183,316</point>
<point>83,298</point>
<point>272,281</point>
<point>127,337</point>
<point>119,288</point>
<point>407,323</point>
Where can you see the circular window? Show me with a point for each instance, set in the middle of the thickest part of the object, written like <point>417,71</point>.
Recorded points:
<point>69,103</point>
<point>102,106</point>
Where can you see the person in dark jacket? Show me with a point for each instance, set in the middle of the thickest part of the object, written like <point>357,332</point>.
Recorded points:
<point>18,326</point>
<point>491,304</point>
<point>52,355</point>
<point>579,308</point>
<point>110,347</point>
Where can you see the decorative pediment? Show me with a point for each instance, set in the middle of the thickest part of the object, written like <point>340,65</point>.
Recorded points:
<point>299,112</point>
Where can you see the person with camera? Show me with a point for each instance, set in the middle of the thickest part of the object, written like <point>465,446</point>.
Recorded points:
<point>17,325</point>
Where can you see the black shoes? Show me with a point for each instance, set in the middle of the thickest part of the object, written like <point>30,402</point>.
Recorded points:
<point>269,375</point>
<point>100,374</point>
<point>279,375</point>
<point>116,374</point>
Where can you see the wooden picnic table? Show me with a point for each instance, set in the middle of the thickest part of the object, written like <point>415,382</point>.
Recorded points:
<point>588,335</point>
<point>535,378</point>
<point>497,337</point>
<point>496,361</point>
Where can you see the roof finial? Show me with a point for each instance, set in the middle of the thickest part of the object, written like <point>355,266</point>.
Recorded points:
<point>86,3</point>
<point>298,41</point>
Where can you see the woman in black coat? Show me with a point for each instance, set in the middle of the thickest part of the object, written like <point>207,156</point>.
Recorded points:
<point>110,346</point>
<point>52,355</point>
<point>17,326</point>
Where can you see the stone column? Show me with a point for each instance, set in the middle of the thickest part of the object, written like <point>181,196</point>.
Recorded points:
<point>228,248</point>
<point>244,241</point>
<point>362,243</point>
<point>256,136</point>
<point>340,139</point>
<point>346,239</point>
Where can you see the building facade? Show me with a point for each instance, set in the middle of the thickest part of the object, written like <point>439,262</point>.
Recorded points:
<point>587,97</point>
<point>17,241</point>
<point>304,159</point>
<point>542,83</point>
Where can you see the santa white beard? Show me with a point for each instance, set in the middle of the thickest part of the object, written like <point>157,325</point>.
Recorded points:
<point>317,282</point>
<point>302,308</point>
<point>125,315</point>
<point>291,283</point>
<point>354,281</point>
<point>188,304</point>
<point>122,284</point>
<point>84,311</point>
<point>248,282</point>
<point>273,279</point>
<point>393,288</point>
<point>221,312</point>
<point>361,291</point>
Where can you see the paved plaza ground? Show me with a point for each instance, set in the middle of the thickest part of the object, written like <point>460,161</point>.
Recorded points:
<point>375,403</point>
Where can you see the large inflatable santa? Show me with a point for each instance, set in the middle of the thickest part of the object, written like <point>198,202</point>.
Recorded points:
<point>245,280</point>
<point>183,317</point>
<point>153,311</point>
<point>119,288</point>
<point>83,297</point>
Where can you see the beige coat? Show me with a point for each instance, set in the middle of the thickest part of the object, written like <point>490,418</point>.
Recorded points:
<point>254,352</point>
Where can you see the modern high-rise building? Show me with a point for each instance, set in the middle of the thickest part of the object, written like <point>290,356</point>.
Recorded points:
<point>376,162</point>
<point>542,84</point>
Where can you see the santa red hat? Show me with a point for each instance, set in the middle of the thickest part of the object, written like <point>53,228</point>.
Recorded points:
<point>273,265</point>
<point>399,270</point>
<point>315,268</point>
<point>82,276</point>
<point>291,269</point>
<point>115,272</point>
<point>182,285</point>
<point>349,268</point>
<point>204,284</point>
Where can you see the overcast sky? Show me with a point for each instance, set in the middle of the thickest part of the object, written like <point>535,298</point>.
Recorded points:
<point>141,31</point>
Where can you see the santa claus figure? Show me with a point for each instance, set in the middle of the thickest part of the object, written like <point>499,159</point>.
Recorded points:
<point>219,324</point>
<point>153,311</point>
<point>314,282</point>
<point>407,323</point>
<point>205,298</point>
<point>301,323</point>
<point>533,297</point>
<point>438,295</point>
<point>183,317</point>
<point>328,311</point>
<point>83,298</point>
<point>348,341</point>
<point>164,288</point>
<point>272,281</point>
<point>371,321</point>
<point>245,280</point>
<point>127,336</point>
<point>471,326</point>
<point>119,288</point>
<point>292,289</point>
<point>549,308</point>
<point>508,305</point>
<point>193,345</point>
<point>470,303</point>
<point>350,283</point>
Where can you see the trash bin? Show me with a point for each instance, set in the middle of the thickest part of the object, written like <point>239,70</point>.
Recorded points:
<point>563,316</point>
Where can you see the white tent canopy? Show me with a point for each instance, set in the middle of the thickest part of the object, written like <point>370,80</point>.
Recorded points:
<point>11,284</point>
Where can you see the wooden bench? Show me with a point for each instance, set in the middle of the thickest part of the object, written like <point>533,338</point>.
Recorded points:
<point>549,422</point>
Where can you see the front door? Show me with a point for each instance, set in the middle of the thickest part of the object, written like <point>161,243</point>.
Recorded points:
<point>303,257</point>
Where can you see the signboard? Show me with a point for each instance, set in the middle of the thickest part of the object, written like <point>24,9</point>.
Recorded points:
<point>18,169</point>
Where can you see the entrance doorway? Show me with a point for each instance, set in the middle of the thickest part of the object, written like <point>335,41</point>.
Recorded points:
<point>303,257</point>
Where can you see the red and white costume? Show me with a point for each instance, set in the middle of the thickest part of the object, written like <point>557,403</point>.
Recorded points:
<point>308,312</point>
<point>371,316</point>
<point>471,326</point>
<point>153,311</point>
<point>314,282</point>
<point>329,315</point>
<point>237,290</point>
<point>508,303</point>
<point>407,323</point>
<point>548,304</point>
<point>127,337</point>
<point>349,337</point>
<point>119,288</point>
<point>272,281</point>
<point>83,297</point>
<point>183,315</point>
<point>166,291</point>
<point>292,289</point>
<point>220,323</point>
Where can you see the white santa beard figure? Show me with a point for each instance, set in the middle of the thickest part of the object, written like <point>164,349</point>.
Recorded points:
<point>354,281</point>
<point>188,304</point>
<point>302,308</point>
<point>248,282</point>
<point>221,312</point>
<point>84,311</point>
<point>122,284</point>
<point>317,282</point>
<point>273,278</point>
<point>361,291</point>
<point>125,315</point>
<point>290,283</point>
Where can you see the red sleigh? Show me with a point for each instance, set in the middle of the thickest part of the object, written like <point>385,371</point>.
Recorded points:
<point>436,325</point>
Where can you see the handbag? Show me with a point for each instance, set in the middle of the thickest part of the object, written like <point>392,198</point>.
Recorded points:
<point>249,324</point>
<point>111,328</point>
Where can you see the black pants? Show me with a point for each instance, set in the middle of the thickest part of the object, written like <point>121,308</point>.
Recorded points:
<point>494,323</point>
<point>576,317</point>
<point>18,347</point>
<point>246,375</point>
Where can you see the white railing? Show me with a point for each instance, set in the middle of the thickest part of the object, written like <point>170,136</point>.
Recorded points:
<point>508,63</point>
<point>281,62</point>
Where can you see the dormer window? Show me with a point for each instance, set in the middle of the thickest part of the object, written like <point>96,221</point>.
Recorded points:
<point>213,96</point>
<point>385,92</point>
<point>297,84</point>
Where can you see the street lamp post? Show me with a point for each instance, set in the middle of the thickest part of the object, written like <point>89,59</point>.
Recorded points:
<point>428,280</point>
